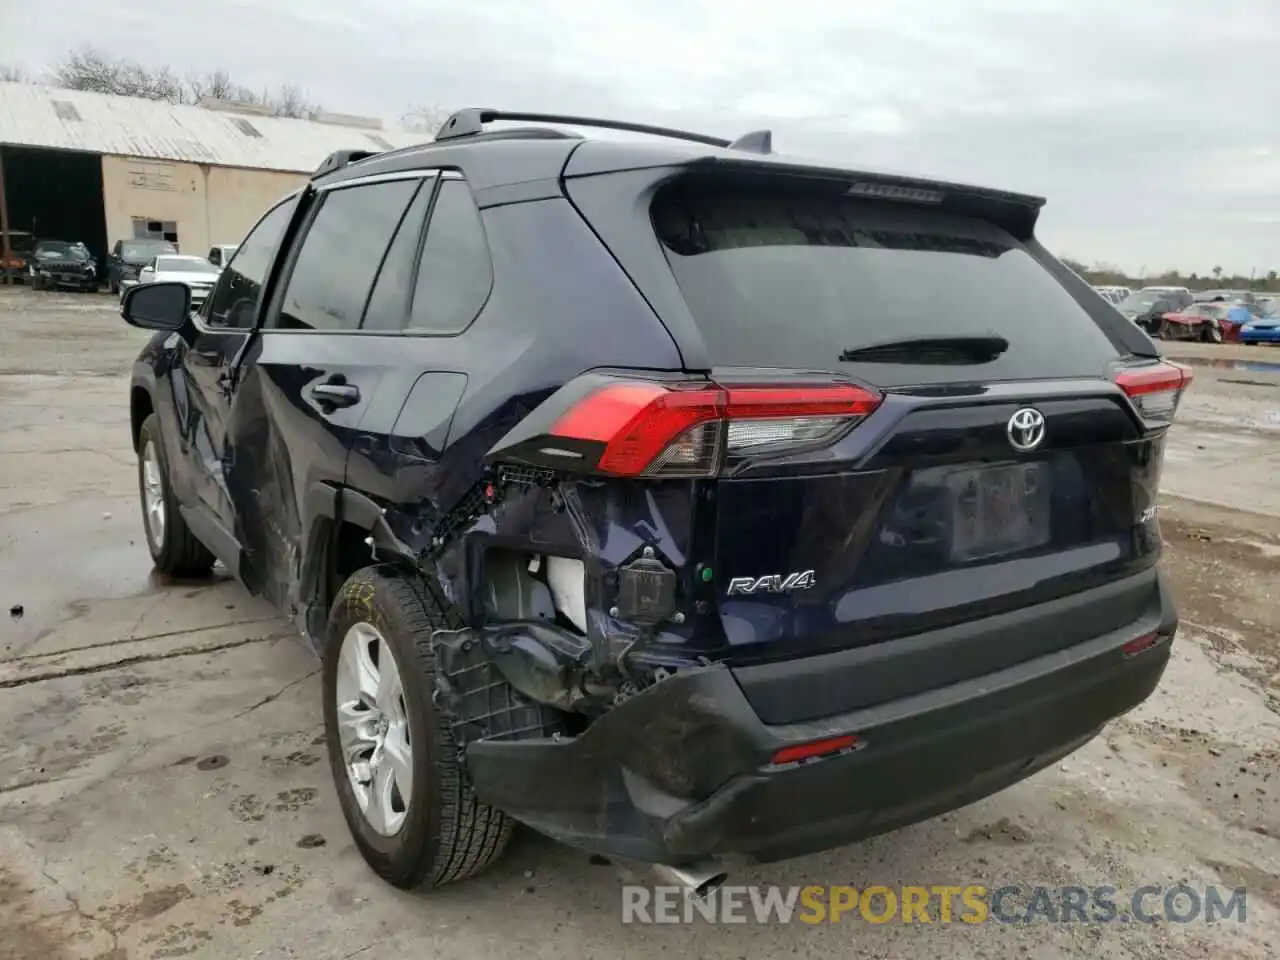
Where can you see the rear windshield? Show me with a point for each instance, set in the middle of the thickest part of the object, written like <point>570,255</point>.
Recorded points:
<point>792,280</point>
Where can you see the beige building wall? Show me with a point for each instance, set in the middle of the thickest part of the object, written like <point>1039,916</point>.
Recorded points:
<point>238,198</point>
<point>206,204</point>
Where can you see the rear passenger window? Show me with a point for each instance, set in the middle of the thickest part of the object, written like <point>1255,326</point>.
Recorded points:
<point>455,273</point>
<point>389,305</point>
<point>340,256</point>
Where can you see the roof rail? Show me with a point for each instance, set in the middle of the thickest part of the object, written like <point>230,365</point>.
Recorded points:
<point>469,122</point>
<point>340,158</point>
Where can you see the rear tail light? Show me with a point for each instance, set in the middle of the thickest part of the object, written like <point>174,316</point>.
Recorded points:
<point>1156,390</point>
<point>655,430</point>
<point>1143,643</point>
<point>816,748</point>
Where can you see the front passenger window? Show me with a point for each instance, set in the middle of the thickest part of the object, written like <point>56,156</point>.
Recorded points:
<point>234,302</point>
<point>340,255</point>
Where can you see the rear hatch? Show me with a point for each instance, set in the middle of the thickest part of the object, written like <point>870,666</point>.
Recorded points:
<point>1000,464</point>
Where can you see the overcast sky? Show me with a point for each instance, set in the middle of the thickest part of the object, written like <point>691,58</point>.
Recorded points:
<point>1152,126</point>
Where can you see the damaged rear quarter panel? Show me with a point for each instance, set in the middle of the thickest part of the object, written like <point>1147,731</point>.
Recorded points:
<point>556,292</point>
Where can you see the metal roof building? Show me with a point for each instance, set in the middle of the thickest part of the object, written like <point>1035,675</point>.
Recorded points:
<point>51,118</point>
<point>104,170</point>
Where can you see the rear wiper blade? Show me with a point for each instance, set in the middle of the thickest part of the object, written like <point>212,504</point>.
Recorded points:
<point>931,350</point>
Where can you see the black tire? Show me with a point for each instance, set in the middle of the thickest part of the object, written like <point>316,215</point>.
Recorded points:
<point>447,834</point>
<point>179,553</point>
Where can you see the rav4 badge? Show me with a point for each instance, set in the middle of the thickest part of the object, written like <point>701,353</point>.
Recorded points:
<point>772,583</point>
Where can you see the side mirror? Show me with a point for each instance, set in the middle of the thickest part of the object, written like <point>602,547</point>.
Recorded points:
<point>157,306</point>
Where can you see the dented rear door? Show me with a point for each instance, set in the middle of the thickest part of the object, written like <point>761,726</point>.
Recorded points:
<point>307,381</point>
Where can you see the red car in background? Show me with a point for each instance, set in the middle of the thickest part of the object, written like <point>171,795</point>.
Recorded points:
<point>15,258</point>
<point>1212,322</point>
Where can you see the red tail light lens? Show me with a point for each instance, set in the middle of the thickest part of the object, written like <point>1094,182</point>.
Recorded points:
<point>817,748</point>
<point>651,429</point>
<point>1142,644</point>
<point>1156,389</point>
<point>639,422</point>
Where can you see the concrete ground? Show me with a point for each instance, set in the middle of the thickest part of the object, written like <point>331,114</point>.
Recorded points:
<point>163,791</point>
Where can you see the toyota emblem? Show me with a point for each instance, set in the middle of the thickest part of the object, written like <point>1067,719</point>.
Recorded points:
<point>1026,429</point>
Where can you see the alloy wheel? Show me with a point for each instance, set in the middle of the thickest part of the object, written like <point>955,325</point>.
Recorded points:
<point>153,495</point>
<point>373,728</point>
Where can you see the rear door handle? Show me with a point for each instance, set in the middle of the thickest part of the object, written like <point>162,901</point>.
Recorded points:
<point>334,395</point>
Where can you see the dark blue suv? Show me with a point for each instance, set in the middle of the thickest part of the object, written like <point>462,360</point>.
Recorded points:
<point>675,498</point>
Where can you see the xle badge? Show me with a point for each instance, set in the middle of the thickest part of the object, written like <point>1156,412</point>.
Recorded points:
<point>772,583</point>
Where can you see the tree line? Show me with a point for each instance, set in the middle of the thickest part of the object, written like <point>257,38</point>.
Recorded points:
<point>94,71</point>
<point>1104,274</point>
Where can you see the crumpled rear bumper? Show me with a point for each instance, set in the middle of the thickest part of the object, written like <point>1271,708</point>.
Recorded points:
<point>683,770</point>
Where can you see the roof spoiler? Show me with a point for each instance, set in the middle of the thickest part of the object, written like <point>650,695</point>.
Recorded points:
<point>1016,212</point>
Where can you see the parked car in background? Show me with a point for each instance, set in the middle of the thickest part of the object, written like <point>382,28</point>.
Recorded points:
<point>1211,322</point>
<point>1182,295</point>
<point>220,253</point>
<point>1149,305</point>
<point>1244,296</point>
<point>20,245</point>
<point>196,272</point>
<point>1113,294</point>
<point>1265,328</point>
<point>62,263</point>
<point>128,257</point>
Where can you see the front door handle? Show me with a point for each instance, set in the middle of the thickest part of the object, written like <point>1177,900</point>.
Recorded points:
<point>334,395</point>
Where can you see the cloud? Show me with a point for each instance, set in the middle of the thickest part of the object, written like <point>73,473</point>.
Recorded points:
<point>1152,126</point>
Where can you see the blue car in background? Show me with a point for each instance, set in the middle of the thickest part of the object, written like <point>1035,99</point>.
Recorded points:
<point>1263,329</point>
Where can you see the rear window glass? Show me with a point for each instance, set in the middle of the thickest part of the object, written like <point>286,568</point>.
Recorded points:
<point>792,280</point>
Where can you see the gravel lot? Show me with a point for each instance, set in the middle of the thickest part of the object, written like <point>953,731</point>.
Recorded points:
<point>163,791</point>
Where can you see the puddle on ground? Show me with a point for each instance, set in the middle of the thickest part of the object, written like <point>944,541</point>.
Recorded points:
<point>1266,420</point>
<point>1243,366</point>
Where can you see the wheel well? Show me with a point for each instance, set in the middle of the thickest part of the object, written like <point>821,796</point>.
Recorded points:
<point>347,552</point>
<point>140,407</point>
